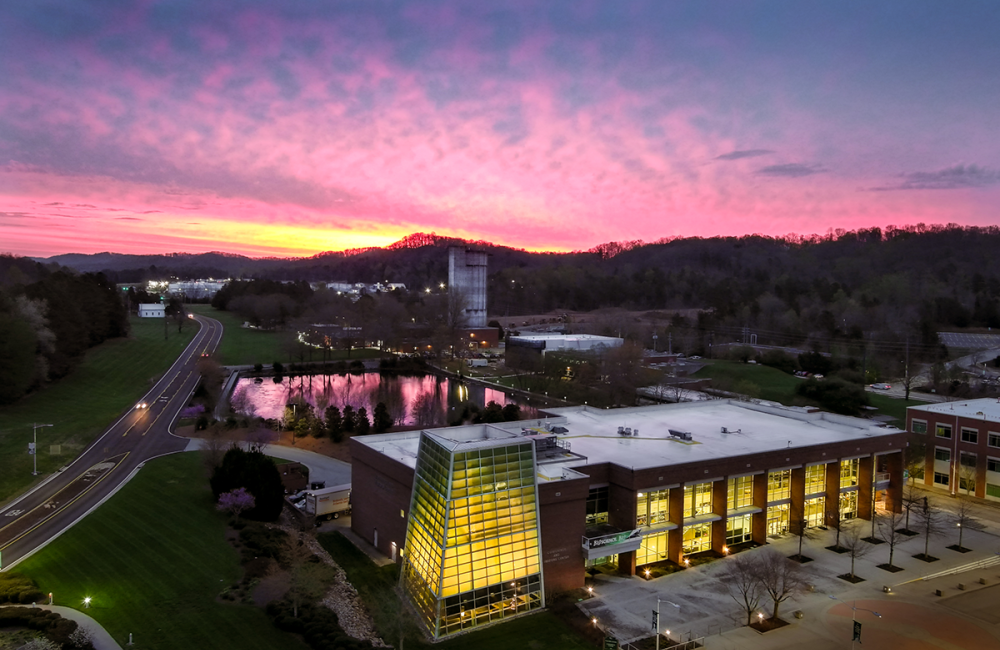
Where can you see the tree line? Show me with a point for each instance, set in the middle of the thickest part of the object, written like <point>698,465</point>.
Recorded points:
<point>48,318</point>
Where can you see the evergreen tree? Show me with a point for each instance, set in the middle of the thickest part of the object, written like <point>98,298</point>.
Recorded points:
<point>361,423</point>
<point>511,412</point>
<point>256,473</point>
<point>381,420</point>
<point>334,423</point>
<point>348,425</point>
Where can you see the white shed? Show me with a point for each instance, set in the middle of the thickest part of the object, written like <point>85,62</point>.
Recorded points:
<point>151,310</point>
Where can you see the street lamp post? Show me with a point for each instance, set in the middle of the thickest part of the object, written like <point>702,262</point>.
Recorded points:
<point>34,446</point>
<point>854,617</point>
<point>658,601</point>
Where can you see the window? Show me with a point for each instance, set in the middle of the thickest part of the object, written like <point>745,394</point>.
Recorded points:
<point>779,485</point>
<point>849,472</point>
<point>777,519</point>
<point>697,538</point>
<point>738,530</point>
<point>940,453</point>
<point>597,506</point>
<point>653,549</point>
<point>653,508</point>
<point>848,505</point>
<point>994,440</point>
<point>967,484</point>
<point>992,490</point>
<point>970,435</point>
<point>815,479</point>
<point>967,460</point>
<point>992,465</point>
<point>815,512</point>
<point>943,431</point>
<point>918,426</point>
<point>697,499</point>
<point>740,492</point>
<point>940,479</point>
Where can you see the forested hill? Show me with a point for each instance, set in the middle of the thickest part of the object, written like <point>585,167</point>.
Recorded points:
<point>857,281</point>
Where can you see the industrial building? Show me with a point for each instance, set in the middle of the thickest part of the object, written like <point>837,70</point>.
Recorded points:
<point>527,351</point>
<point>152,310</point>
<point>488,519</point>
<point>962,445</point>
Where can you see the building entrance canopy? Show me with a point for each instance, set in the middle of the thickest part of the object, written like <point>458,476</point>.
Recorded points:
<point>612,544</point>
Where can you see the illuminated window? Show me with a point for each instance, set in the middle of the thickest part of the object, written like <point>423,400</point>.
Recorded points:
<point>849,471</point>
<point>740,492</point>
<point>815,479</point>
<point>777,519</point>
<point>652,508</point>
<point>739,530</point>
<point>848,505</point>
<point>697,538</point>
<point>943,431</point>
<point>779,485</point>
<point>815,512</point>
<point>653,549</point>
<point>697,499</point>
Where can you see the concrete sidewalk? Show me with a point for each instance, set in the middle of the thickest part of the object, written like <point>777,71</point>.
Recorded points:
<point>321,468</point>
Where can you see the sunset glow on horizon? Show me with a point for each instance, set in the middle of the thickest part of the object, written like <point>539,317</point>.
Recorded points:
<point>289,129</point>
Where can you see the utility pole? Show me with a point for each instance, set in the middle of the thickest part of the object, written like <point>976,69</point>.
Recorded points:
<point>34,446</point>
<point>670,343</point>
<point>906,380</point>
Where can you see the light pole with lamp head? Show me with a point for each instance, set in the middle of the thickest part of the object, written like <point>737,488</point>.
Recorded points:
<point>658,601</point>
<point>855,636</point>
<point>34,446</point>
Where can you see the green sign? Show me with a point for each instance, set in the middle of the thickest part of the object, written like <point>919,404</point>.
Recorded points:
<point>610,643</point>
<point>616,538</point>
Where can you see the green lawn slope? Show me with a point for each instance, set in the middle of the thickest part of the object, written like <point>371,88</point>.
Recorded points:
<point>109,381</point>
<point>153,559</point>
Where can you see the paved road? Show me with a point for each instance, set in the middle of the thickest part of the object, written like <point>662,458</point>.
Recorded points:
<point>71,493</point>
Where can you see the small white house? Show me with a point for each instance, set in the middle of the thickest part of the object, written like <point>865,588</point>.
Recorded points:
<point>151,310</point>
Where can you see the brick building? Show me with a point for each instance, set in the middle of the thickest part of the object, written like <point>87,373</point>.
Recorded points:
<point>962,445</point>
<point>487,519</point>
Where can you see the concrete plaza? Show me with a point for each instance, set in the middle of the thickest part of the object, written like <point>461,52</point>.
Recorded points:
<point>695,602</point>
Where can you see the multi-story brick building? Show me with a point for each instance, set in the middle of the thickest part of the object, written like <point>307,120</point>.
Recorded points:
<point>490,518</point>
<point>962,445</point>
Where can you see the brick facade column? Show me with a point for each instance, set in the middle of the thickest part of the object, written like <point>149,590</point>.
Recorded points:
<point>832,493</point>
<point>866,480</point>
<point>758,521</point>
<point>720,506</point>
<point>675,538</point>
<point>797,510</point>
<point>894,493</point>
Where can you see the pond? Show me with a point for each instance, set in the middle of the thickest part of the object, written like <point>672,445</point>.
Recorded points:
<point>412,400</point>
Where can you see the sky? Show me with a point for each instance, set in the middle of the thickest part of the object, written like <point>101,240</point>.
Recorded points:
<point>294,127</point>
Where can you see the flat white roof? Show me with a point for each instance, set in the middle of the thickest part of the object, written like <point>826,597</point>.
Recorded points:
<point>987,409</point>
<point>566,337</point>
<point>593,433</point>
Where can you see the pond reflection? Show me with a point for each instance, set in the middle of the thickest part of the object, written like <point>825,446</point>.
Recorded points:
<point>413,400</point>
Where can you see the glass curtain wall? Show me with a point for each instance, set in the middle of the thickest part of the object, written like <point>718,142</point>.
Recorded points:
<point>472,540</point>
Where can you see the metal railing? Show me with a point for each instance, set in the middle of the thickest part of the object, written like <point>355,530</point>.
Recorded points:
<point>687,645</point>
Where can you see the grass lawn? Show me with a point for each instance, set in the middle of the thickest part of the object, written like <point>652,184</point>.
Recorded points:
<point>111,378</point>
<point>245,347</point>
<point>540,631</point>
<point>773,384</point>
<point>777,386</point>
<point>153,559</point>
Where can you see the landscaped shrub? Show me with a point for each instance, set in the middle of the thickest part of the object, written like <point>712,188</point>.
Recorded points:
<point>52,625</point>
<point>17,588</point>
<point>255,472</point>
<point>317,624</point>
<point>262,542</point>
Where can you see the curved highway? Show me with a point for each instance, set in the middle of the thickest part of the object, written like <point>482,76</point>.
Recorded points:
<point>70,494</point>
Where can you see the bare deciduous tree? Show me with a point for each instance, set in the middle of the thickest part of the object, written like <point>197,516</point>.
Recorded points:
<point>963,517</point>
<point>779,577</point>
<point>890,532</point>
<point>932,522</point>
<point>742,580</point>
<point>856,545</point>
<point>912,499</point>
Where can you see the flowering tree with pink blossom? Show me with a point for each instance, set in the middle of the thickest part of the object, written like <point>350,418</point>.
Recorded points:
<point>236,501</point>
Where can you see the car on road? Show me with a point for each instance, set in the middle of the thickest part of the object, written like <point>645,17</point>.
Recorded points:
<point>881,386</point>
<point>140,406</point>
